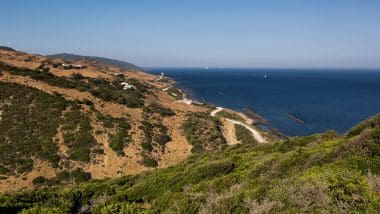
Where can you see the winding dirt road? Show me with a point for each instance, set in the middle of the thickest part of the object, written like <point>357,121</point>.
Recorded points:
<point>257,135</point>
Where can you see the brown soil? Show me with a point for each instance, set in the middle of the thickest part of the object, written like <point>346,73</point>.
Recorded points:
<point>228,131</point>
<point>41,168</point>
<point>109,164</point>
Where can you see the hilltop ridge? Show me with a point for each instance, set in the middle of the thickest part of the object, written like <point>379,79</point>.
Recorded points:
<point>113,62</point>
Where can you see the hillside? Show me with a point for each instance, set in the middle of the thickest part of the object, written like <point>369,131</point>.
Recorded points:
<point>6,48</point>
<point>90,137</point>
<point>64,123</point>
<point>323,173</point>
<point>113,62</point>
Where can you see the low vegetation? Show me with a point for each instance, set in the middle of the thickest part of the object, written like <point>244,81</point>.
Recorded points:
<point>244,135</point>
<point>176,93</point>
<point>203,132</point>
<point>64,177</point>
<point>28,123</point>
<point>230,115</point>
<point>121,137</point>
<point>159,109</point>
<point>101,88</point>
<point>156,134</point>
<point>324,173</point>
<point>77,134</point>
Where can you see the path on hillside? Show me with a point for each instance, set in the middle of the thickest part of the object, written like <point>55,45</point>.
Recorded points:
<point>258,137</point>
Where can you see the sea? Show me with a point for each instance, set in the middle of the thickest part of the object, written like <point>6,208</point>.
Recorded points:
<point>298,102</point>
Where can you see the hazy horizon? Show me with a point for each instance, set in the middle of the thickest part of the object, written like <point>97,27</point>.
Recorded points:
<point>342,34</point>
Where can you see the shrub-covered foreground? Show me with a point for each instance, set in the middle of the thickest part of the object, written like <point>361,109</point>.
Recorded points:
<point>315,174</point>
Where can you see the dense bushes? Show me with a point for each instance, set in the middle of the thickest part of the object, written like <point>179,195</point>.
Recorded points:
<point>367,124</point>
<point>77,134</point>
<point>156,135</point>
<point>176,93</point>
<point>203,132</point>
<point>302,175</point>
<point>149,162</point>
<point>119,136</point>
<point>230,115</point>
<point>159,109</point>
<point>29,121</point>
<point>244,135</point>
<point>122,137</point>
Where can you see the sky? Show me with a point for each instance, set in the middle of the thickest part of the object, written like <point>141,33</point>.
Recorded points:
<point>193,33</point>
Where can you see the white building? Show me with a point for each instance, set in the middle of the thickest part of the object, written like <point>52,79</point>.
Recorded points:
<point>127,85</point>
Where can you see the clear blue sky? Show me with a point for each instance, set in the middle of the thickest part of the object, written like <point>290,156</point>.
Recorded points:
<point>215,33</point>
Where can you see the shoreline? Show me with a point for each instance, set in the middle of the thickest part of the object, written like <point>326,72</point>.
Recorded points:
<point>250,117</point>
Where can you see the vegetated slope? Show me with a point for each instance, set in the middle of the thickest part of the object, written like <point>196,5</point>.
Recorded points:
<point>319,173</point>
<point>113,62</point>
<point>61,125</point>
<point>54,122</point>
<point>6,48</point>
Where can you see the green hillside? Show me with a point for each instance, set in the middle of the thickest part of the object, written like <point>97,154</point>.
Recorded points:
<point>314,174</point>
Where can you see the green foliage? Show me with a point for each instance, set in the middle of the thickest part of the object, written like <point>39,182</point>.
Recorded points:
<point>122,208</point>
<point>39,180</point>
<point>155,135</point>
<point>149,162</point>
<point>29,122</point>
<point>323,173</point>
<point>101,88</point>
<point>302,175</point>
<point>77,134</point>
<point>159,109</point>
<point>121,138</point>
<point>230,115</point>
<point>42,210</point>
<point>244,135</point>
<point>78,175</point>
<point>176,93</point>
<point>367,124</point>
<point>210,170</point>
<point>203,132</point>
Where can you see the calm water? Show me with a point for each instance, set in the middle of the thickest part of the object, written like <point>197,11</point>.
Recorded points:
<point>323,99</point>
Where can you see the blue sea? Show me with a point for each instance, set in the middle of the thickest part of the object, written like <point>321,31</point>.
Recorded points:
<point>322,99</point>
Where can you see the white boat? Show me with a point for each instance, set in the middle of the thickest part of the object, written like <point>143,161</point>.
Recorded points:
<point>265,75</point>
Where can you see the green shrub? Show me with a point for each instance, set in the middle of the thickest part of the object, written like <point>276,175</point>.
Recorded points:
<point>149,162</point>
<point>121,138</point>
<point>203,132</point>
<point>78,175</point>
<point>77,134</point>
<point>122,208</point>
<point>367,124</point>
<point>159,109</point>
<point>210,170</point>
<point>244,135</point>
<point>39,180</point>
<point>230,115</point>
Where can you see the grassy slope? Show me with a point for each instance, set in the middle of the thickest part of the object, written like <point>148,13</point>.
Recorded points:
<point>324,172</point>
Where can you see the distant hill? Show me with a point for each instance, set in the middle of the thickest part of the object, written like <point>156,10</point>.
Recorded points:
<point>113,62</point>
<point>6,48</point>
